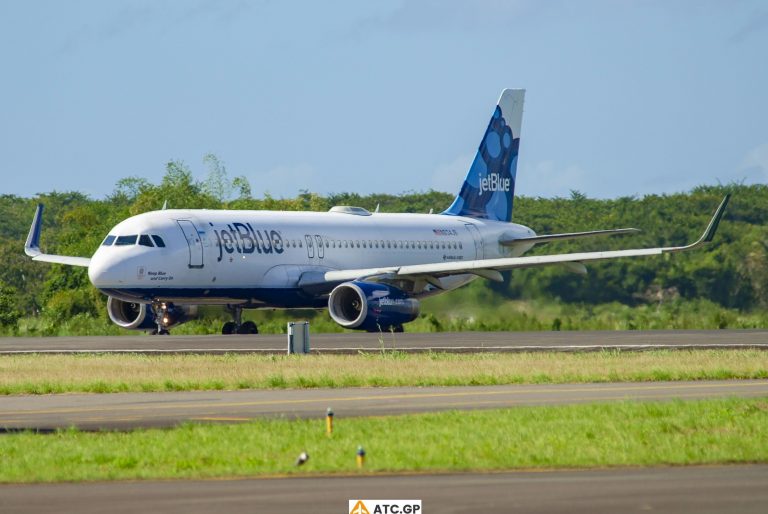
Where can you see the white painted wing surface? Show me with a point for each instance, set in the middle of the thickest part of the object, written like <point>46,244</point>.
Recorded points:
<point>32,246</point>
<point>479,266</point>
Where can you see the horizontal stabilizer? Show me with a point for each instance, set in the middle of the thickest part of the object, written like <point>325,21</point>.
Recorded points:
<point>512,241</point>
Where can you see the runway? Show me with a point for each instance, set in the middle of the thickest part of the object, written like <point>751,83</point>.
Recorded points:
<point>351,343</point>
<point>132,410</point>
<point>681,490</point>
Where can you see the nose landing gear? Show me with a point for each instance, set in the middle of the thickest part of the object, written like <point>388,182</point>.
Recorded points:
<point>237,326</point>
<point>165,316</point>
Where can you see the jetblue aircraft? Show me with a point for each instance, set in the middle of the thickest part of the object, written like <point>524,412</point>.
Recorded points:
<point>369,269</point>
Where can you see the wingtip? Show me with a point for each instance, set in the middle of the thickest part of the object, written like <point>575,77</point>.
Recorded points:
<point>32,245</point>
<point>712,228</point>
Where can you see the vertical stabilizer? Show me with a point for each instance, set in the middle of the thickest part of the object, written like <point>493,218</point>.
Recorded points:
<point>489,188</point>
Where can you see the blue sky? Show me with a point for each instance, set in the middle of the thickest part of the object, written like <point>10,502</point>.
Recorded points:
<point>624,97</point>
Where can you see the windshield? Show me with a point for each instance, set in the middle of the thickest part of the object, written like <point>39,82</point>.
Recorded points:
<point>126,240</point>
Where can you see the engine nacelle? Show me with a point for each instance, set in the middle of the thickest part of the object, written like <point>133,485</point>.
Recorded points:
<point>371,306</point>
<point>139,316</point>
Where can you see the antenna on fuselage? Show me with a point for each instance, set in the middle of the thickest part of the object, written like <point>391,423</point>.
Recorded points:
<point>165,205</point>
<point>377,207</point>
<point>431,211</point>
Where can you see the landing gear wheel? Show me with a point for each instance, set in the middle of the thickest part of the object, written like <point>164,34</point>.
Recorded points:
<point>249,327</point>
<point>229,328</point>
<point>160,311</point>
<point>398,329</point>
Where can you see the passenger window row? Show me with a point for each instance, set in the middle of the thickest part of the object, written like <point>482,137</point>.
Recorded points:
<point>384,244</point>
<point>143,240</point>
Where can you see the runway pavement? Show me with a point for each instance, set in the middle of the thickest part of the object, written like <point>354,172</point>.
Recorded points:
<point>422,342</point>
<point>680,490</point>
<point>131,410</point>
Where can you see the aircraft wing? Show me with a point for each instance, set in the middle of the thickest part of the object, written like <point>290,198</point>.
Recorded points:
<point>491,268</point>
<point>32,246</point>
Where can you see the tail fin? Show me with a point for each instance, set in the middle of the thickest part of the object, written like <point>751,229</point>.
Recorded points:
<point>489,188</point>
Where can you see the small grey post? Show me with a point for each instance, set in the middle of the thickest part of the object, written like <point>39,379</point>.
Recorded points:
<point>298,337</point>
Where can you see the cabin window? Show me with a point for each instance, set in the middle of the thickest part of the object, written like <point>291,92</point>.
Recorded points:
<point>158,241</point>
<point>144,240</point>
<point>460,245</point>
<point>108,240</point>
<point>126,240</point>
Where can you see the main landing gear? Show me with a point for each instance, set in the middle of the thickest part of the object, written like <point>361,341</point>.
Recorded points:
<point>237,326</point>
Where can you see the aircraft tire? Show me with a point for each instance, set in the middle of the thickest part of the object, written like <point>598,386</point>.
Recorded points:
<point>248,327</point>
<point>229,328</point>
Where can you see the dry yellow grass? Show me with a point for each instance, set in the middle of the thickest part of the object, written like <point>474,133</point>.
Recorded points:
<point>38,374</point>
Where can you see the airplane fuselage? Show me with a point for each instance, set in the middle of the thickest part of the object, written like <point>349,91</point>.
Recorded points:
<point>258,258</point>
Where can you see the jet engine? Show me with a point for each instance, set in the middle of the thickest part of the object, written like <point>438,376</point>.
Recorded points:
<point>371,306</point>
<point>139,316</point>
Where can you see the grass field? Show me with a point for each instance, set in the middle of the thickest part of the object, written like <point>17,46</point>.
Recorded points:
<point>104,373</point>
<point>578,436</point>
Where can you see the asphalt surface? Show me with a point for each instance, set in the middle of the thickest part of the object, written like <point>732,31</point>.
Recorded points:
<point>132,410</point>
<point>354,342</point>
<point>683,490</point>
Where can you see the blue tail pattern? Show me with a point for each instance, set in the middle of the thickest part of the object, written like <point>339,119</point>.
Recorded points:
<point>489,187</point>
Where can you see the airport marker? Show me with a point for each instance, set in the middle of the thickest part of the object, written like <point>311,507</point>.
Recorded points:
<point>360,457</point>
<point>329,421</point>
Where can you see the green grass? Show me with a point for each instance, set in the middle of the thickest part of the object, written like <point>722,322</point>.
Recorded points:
<point>107,373</point>
<point>577,436</point>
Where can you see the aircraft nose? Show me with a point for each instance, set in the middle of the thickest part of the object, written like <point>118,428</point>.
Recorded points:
<point>103,272</point>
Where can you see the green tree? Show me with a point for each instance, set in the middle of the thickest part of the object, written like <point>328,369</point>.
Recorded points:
<point>9,313</point>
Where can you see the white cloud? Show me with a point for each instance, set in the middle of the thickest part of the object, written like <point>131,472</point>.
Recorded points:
<point>757,160</point>
<point>285,181</point>
<point>449,177</point>
<point>549,179</point>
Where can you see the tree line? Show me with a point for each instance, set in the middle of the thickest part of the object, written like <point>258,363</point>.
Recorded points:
<point>732,271</point>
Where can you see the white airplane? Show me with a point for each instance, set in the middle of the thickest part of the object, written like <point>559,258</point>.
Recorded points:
<point>369,269</point>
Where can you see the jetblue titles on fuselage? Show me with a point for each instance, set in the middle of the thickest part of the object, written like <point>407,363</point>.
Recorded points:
<point>242,238</point>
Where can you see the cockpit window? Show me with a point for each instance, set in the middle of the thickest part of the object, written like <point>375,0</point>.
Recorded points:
<point>144,240</point>
<point>158,241</point>
<point>126,240</point>
<point>108,240</point>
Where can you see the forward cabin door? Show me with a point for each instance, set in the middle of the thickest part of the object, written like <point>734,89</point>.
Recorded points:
<point>194,243</point>
<point>479,252</point>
